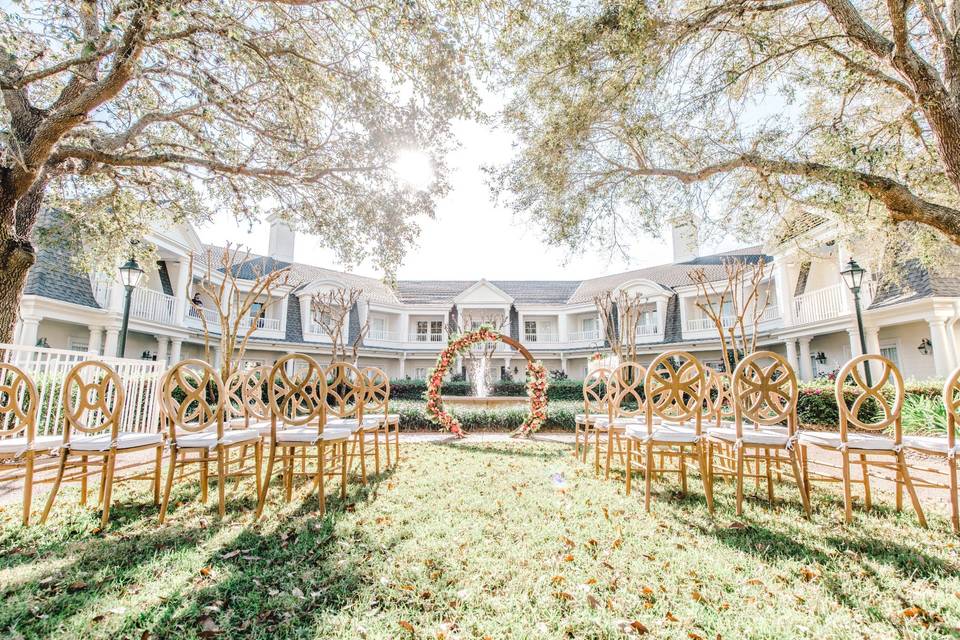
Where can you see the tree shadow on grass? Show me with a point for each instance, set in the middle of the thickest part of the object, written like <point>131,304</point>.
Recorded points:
<point>505,448</point>
<point>251,567</point>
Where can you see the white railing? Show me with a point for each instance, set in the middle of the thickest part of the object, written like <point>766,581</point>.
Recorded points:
<point>770,313</point>
<point>823,304</point>
<point>646,330</point>
<point>48,368</point>
<point>268,324</point>
<point>426,337</point>
<point>155,306</point>
<point>549,338</point>
<point>579,336</point>
<point>102,286</point>
<point>707,324</point>
<point>213,319</point>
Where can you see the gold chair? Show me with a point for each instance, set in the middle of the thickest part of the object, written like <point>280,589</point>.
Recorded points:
<point>873,449</point>
<point>296,390</point>
<point>377,409</point>
<point>345,397</point>
<point>673,396</point>
<point>594,408</point>
<point>93,402</point>
<point>195,407</point>
<point>625,408</point>
<point>944,447</point>
<point>19,443</point>
<point>765,394</point>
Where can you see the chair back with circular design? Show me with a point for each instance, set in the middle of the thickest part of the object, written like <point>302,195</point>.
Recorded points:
<point>674,388</point>
<point>234,408</point>
<point>193,398</point>
<point>596,392</point>
<point>18,403</point>
<point>345,391</point>
<point>951,401</point>
<point>626,397</point>
<point>93,398</point>
<point>765,391</point>
<point>871,398</point>
<point>377,389</point>
<point>295,389</point>
<point>718,399</point>
<point>256,401</point>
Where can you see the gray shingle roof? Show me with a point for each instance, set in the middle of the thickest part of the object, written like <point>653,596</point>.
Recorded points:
<point>522,291</point>
<point>915,282</point>
<point>53,276</point>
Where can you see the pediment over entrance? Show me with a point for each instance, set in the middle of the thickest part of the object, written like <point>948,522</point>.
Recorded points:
<point>645,288</point>
<point>483,292</point>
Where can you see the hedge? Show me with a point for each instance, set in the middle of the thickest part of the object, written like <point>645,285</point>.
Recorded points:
<point>415,389</point>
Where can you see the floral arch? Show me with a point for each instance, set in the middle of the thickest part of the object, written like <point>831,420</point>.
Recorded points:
<point>536,381</point>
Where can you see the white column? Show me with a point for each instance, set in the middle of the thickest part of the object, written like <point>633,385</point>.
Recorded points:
<point>563,363</point>
<point>405,329</point>
<point>562,327</point>
<point>941,355</point>
<point>29,328</point>
<point>162,342</point>
<point>806,364</point>
<point>217,357</point>
<point>854,334</point>
<point>784,291</point>
<point>180,292</point>
<point>403,365</point>
<point>792,354</point>
<point>662,315</point>
<point>95,343</point>
<point>175,346</point>
<point>520,328</point>
<point>110,344</point>
<point>116,298</point>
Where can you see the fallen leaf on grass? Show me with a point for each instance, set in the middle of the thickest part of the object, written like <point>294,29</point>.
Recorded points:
<point>205,571</point>
<point>696,596</point>
<point>593,602</point>
<point>562,595</point>
<point>736,524</point>
<point>231,554</point>
<point>809,574</point>
<point>634,628</point>
<point>79,585</point>
<point>694,636</point>
<point>568,557</point>
<point>556,580</point>
<point>671,618</point>
<point>406,626</point>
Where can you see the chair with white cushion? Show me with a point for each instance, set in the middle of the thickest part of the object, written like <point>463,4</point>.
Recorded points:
<point>377,409</point>
<point>673,389</point>
<point>256,403</point>
<point>93,403</point>
<point>345,398</point>
<point>765,396</point>
<point>868,443</point>
<point>296,393</point>
<point>594,408</point>
<point>944,447</point>
<point>19,443</point>
<point>194,406</point>
<point>625,407</point>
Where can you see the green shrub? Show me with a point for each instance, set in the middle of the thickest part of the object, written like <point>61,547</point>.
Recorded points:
<point>557,390</point>
<point>924,415</point>
<point>413,417</point>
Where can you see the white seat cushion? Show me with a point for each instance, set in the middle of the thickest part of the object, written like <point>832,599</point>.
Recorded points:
<point>350,423</point>
<point>309,434</point>
<point>392,418</point>
<point>663,433</point>
<point>928,444</point>
<point>581,417</point>
<point>18,446</point>
<point>124,441</point>
<point>831,440</point>
<point>763,436</point>
<point>208,439</point>
<point>235,423</point>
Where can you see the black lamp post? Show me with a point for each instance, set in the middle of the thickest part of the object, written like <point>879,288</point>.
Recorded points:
<point>130,274</point>
<point>853,277</point>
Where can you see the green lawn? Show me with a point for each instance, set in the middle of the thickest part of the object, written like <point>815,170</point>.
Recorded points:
<point>476,540</point>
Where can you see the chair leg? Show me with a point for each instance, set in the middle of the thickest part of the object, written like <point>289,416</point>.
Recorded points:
<point>609,457</point>
<point>156,476</point>
<point>83,482</point>
<point>289,461</point>
<point>805,462</point>
<point>706,474</point>
<point>864,469</point>
<point>740,463</point>
<point>108,488</point>
<point>262,498</point>
<point>56,486</point>
<point>902,463</point>
<point>363,456</point>
<point>847,497</point>
<point>954,506</point>
<point>768,461</point>
<point>343,473</point>
<point>596,453</point>
<point>103,481</point>
<point>257,465</point>
<point>648,478</point>
<point>799,480</point>
<point>321,481</point>
<point>28,488</point>
<point>376,451</point>
<point>682,469</point>
<point>629,463</point>
<point>386,440</point>
<point>396,453</point>
<point>169,484</point>
<point>204,475</point>
<point>221,480</point>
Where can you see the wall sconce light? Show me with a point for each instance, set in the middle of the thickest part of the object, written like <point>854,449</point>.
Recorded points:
<point>821,357</point>
<point>926,347</point>
<point>146,355</point>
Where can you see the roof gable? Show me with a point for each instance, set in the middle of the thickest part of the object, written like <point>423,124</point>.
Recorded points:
<point>483,292</point>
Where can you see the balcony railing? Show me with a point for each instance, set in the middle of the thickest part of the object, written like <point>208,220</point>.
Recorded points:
<point>823,304</point>
<point>155,306</point>
<point>267,324</point>
<point>211,316</point>
<point>426,337</point>
<point>707,324</point>
<point>580,336</point>
<point>647,330</point>
<point>549,338</point>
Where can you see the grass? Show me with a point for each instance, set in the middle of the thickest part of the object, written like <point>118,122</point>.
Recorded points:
<point>475,540</point>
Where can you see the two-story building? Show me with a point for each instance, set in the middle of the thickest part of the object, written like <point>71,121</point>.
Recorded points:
<point>810,317</point>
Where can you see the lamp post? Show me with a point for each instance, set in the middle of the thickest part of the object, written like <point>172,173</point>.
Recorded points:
<point>853,277</point>
<point>130,274</point>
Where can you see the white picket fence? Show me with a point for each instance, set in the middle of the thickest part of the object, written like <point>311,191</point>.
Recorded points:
<point>48,368</point>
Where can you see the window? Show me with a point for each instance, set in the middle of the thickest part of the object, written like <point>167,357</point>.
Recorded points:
<point>77,344</point>
<point>588,325</point>
<point>420,373</point>
<point>648,318</point>
<point>422,328</point>
<point>889,351</point>
<point>436,330</point>
<point>378,328</point>
<point>530,330</point>
<point>255,310</point>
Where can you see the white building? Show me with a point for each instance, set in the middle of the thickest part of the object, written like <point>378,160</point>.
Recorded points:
<point>811,319</point>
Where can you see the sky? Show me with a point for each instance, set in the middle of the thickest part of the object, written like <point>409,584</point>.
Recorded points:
<point>505,247</point>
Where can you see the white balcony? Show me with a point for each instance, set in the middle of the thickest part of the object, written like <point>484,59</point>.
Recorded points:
<point>828,303</point>
<point>193,318</point>
<point>541,338</point>
<point>267,324</point>
<point>435,338</point>
<point>583,336</point>
<point>647,330</point>
<point>696,325</point>
<point>151,305</point>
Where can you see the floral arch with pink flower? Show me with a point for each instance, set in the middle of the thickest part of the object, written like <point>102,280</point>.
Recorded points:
<point>536,381</point>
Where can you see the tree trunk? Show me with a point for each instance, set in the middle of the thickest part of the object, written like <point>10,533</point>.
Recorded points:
<point>16,258</point>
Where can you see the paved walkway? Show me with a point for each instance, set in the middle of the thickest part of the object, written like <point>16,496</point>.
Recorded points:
<point>922,468</point>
